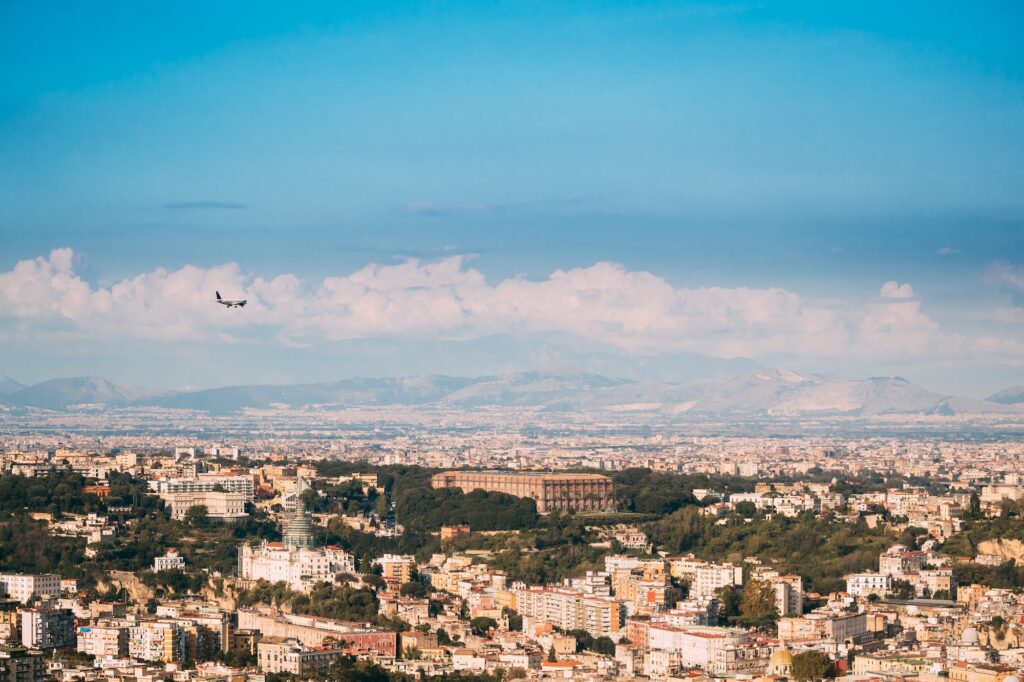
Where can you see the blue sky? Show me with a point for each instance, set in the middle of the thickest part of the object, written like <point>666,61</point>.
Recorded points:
<point>821,149</point>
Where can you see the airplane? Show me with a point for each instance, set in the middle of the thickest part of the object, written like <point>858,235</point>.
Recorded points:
<point>231,302</point>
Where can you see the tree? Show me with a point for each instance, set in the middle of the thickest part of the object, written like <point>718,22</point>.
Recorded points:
<point>902,589</point>
<point>442,637</point>
<point>974,508</point>
<point>604,645</point>
<point>746,508</point>
<point>811,665</point>
<point>729,602</point>
<point>481,626</point>
<point>551,654</point>
<point>757,605</point>
<point>374,581</point>
<point>413,589</point>
<point>196,515</point>
<point>515,621</point>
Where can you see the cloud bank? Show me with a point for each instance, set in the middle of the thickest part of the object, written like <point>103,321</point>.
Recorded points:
<point>632,311</point>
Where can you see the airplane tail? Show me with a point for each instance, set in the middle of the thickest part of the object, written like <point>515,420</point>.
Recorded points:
<point>218,295</point>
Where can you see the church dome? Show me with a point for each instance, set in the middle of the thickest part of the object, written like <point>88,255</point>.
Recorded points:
<point>781,657</point>
<point>970,637</point>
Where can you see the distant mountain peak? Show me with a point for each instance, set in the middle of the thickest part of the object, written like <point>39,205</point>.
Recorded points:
<point>9,385</point>
<point>1008,396</point>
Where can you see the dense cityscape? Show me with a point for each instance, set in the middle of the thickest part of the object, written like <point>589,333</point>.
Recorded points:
<point>496,556</point>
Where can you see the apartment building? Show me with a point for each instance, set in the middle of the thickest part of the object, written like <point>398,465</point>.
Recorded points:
<point>47,628</point>
<point>696,646</point>
<point>571,610</point>
<point>162,641</point>
<point>103,641</point>
<point>712,577</point>
<point>396,568</point>
<point>208,483</point>
<point>22,587</point>
<point>20,665</point>
<point>285,655</point>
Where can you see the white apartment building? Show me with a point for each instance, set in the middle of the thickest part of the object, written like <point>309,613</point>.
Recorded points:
<point>205,483</point>
<point>863,584</point>
<point>789,590</point>
<point>711,577</point>
<point>47,628</point>
<point>571,610</point>
<point>103,641</point>
<point>696,646</point>
<point>23,587</point>
<point>299,567</point>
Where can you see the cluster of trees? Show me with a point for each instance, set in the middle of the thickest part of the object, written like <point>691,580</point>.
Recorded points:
<point>427,509</point>
<point>753,607</point>
<point>587,642</point>
<point>342,603</point>
<point>347,497</point>
<point>60,491</point>
<point>202,543</point>
<point>1008,576</point>
<point>27,547</point>
<point>821,550</point>
<point>652,492</point>
<point>175,580</point>
<point>811,665</point>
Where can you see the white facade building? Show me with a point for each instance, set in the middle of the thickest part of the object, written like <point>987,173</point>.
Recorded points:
<point>299,567</point>
<point>23,587</point>
<point>168,562</point>
<point>863,584</point>
<point>711,577</point>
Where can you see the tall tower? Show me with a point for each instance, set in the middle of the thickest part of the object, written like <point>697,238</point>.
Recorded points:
<point>298,530</point>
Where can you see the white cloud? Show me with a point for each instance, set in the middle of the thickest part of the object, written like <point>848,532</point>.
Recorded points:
<point>638,312</point>
<point>893,289</point>
<point>948,251</point>
<point>1006,276</point>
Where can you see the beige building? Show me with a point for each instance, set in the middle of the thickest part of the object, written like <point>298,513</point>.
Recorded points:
<point>221,506</point>
<point>396,568</point>
<point>552,492</point>
<point>103,641</point>
<point>571,610</point>
<point>281,655</point>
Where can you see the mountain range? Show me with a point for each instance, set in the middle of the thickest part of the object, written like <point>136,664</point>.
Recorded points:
<point>760,392</point>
